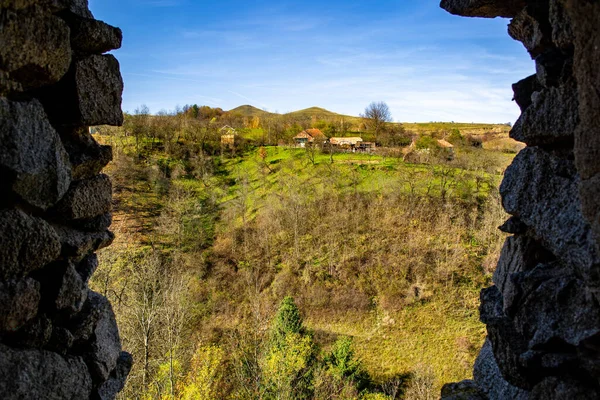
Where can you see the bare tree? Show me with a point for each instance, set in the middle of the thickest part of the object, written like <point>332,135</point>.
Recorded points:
<point>377,115</point>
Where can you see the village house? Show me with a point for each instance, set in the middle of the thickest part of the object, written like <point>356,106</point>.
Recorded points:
<point>346,142</point>
<point>447,148</point>
<point>309,136</point>
<point>228,135</point>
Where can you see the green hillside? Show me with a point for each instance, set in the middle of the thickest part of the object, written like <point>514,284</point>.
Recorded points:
<point>249,111</point>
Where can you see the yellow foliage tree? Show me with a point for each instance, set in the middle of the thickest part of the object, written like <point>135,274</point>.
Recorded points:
<point>205,374</point>
<point>284,365</point>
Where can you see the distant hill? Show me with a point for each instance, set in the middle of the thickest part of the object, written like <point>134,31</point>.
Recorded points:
<point>305,114</point>
<point>249,111</point>
<point>426,127</point>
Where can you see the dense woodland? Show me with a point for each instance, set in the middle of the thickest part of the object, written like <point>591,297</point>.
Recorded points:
<point>264,271</point>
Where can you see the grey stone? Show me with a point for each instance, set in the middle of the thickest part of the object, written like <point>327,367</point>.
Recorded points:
<point>18,303</point>
<point>86,199</point>
<point>115,383</point>
<point>89,36</point>
<point>76,7</point>
<point>554,68</point>
<point>27,243</point>
<point>589,190</point>
<point>527,29</point>
<point>586,60</point>
<point>86,155</point>
<point>484,8</point>
<point>35,334</point>
<point>97,336</point>
<point>87,267</point>
<point>562,31</point>
<point>519,253</point>
<point>542,190</point>
<point>96,224</point>
<point>33,161</point>
<point>72,291</point>
<point>61,340</point>
<point>89,94</point>
<point>556,388</point>
<point>488,377</point>
<point>77,244</point>
<point>524,89</point>
<point>42,375</point>
<point>464,390</point>
<point>513,225</point>
<point>508,344</point>
<point>555,307</point>
<point>35,49</point>
<point>551,119</point>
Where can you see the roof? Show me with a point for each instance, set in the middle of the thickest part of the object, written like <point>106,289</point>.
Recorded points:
<point>445,144</point>
<point>314,132</point>
<point>303,135</point>
<point>345,140</point>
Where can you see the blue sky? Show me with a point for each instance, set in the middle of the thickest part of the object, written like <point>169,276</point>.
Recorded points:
<point>282,56</point>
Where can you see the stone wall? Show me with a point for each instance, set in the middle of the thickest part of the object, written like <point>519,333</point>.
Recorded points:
<point>58,339</point>
<point>543,312</point>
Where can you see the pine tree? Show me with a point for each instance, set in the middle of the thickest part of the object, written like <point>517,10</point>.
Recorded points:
<point>288,320</point>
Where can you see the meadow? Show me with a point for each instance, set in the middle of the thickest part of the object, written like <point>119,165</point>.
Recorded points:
<point>388,253</point>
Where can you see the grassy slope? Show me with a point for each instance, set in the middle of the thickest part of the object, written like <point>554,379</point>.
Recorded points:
<point>443,333</point>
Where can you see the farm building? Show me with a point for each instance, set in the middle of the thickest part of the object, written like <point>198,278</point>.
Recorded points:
<point>309,136</point>
<point>448,148</point>
<point>366,146</point>
<point>228,135</point>
<point>347,142</point>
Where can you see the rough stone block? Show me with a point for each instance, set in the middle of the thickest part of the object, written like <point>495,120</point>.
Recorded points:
<point>554,68</point>
<point>18,303</point>
<point>86,199</point>
<point>35,334</point>
<point>520,253</point>
<point>89,36</point>
<point>115,383</point>
<point>97,336</point>
<point>555,388</point>
<point>35,374</point>
<point>543,191</point>
<point>96,224</point>
<point>488,377</point>
<point>464,390</point>
<point>589,190</point>
<point>586,20</point>
<point>551,119</point>
<point>26,244</point>
<point>86,155</point>
<point>87,267</point>
<point>35,49</point>
<point>513,226</point>
<point>484,8</point>
<point>61,340</point>
<point>507,343</point>
<point>524,89</point>
<point>556,307</point>
<point>75,7</point>
<point>77,244</point>
<point>89,94</point>
<point>562,31</point>
<point>528,30</point>
<point>33,162</point>
<point>72,291</point>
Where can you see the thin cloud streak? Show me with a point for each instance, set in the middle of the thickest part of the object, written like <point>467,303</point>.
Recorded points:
<point>428,65</point>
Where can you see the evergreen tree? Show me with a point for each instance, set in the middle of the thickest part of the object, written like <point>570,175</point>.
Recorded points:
<point>288,320</point>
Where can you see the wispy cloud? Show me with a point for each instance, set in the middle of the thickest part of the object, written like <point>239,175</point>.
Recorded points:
<point>340,55</point>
